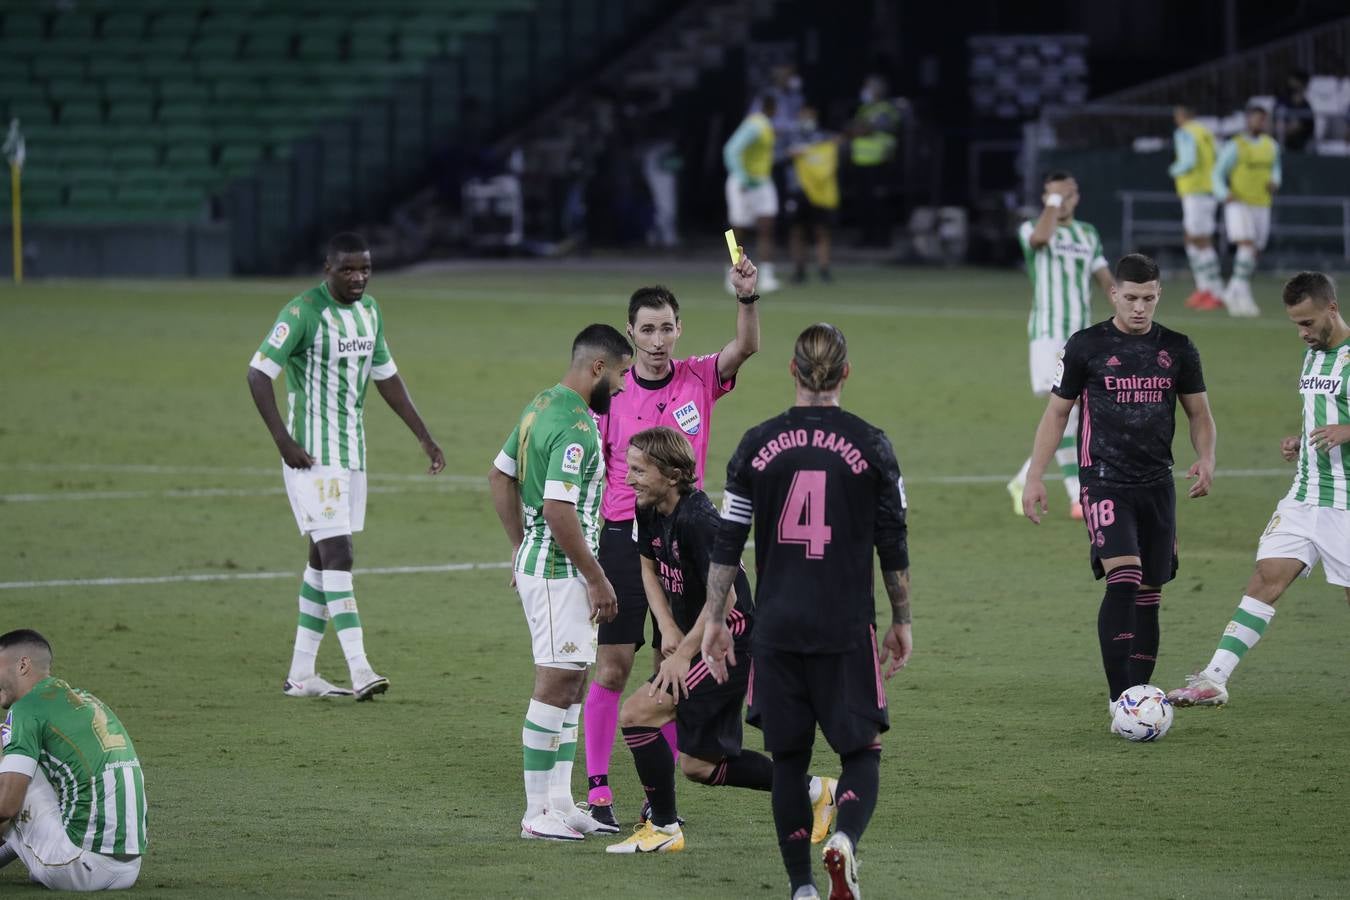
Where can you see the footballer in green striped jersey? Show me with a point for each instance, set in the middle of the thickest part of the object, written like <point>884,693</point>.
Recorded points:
<point>1312,523</point>
<point>330,343</point>
<point>547,485</point>
<point>70,781</point>
<point>1063,256</point>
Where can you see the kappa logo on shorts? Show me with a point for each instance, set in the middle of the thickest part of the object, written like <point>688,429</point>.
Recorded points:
<point>569,647</point>
<point>279,334</point>
<point>1164,359</point>
<point>688,419</point>
<point>1274,523</point>
<point>573,454</point>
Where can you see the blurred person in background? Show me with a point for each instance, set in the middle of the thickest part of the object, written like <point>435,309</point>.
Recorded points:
<point>1294,114</point>
<point>1246,177</point>
<point>813,195</point>
<point>1193,171</point>
<point>873,148</point>
<point>752,199</point>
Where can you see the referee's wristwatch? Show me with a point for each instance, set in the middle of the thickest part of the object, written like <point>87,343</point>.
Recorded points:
<point>747,300</point>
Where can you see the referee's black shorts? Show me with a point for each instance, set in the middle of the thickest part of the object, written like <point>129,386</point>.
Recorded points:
<point>623,567</point>
<point>791,693</point>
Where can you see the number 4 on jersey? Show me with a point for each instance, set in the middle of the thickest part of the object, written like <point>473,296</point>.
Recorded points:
<point>803,518</point>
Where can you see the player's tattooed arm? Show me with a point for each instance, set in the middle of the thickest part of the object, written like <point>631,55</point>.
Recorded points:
<point>897,589</point>
<point>720,579</point>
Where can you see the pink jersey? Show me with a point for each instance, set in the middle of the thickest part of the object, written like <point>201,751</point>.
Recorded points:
<point>684,401</point>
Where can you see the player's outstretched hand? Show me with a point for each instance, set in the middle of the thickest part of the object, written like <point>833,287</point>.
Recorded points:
<point>744,275</point>
<point>433,452</point>
<point>1289,448</point>
<point>1328,437</point>
<point>604,603</point>
<point>293,455</point>
<point>1034,504</point>
<point>717,650</point>
<point>896,646</point>
<point>1203,473</point>
<point>670,678</point>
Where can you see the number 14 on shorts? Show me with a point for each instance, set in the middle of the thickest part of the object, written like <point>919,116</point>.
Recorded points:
<point>329,490</point>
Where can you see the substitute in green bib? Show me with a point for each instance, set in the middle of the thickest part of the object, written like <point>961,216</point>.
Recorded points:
<point>1247,175</point>
<point>1063,256</point>
<point>1312,523</point>
<point>330,343</point>
<point>72,796</point>
<point>547,485</point>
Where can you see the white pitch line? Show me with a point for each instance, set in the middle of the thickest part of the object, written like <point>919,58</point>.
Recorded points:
<point>446,483</point>
<point>153,469</point>
<point>240,576</point>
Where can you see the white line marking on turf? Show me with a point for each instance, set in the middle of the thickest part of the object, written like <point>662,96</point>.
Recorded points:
<point>241,576</point>
<point>442,483</point>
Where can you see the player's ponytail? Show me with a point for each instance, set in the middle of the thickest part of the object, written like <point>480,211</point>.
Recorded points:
<point>670,452</point>
<point>821,356</point>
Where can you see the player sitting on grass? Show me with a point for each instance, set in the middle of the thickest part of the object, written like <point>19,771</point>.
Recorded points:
<point>677,525</point>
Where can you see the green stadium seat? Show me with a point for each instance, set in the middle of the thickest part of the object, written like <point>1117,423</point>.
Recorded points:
<point>23,27</point>
<point>123,157</point>
<point>131,113</point>
<point>62,89</point>
<point>225,22</point>
<point>72,26</point>
<point>175,24</point>
<point>239,90</point>
<point>319,46</point>
<point>170,134</point>
<point>184,112</point>
<point>188,155</point>
<point>219,46</point>
<point>104,67</point>
<point>236,157</point>
<point>13,71</point>
<point>122,27</point>
<point>184,92</point>
<point>128,90</point>
<point>415,46</point>
<point>268,45</point>
<point>57,65</point>
<point>82,163</point>
<point>81,112</point>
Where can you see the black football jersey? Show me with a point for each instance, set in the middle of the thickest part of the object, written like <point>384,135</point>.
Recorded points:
<point>681,545</point>
<point>821,487</point>
<point>1128,384</point>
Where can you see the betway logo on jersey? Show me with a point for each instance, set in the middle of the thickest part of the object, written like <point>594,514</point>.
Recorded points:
<point>1320,384</point>
<point>355,346</point>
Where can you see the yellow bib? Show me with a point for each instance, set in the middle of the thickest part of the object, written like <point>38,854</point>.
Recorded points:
<point>758,157</point>
<point>1197,180</point>
<point>817,169</point>
<point>1250,178</point>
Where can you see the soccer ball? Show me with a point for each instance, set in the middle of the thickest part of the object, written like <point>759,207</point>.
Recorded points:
<point>1143,713</point>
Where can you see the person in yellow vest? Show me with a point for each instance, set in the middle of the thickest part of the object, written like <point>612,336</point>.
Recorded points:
<point>873,147</point>
<point>814,195</point>
<point>752,200</point>
<point>1193,173</point>
<point>1246,177</point>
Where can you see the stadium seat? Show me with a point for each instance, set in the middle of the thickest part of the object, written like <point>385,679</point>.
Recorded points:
<point>80,112</point>
<point>23,27</point>
<point>128,90</point>
<point>174,24</point>
<point>123,27</point>
<point>130,113</point>
<point>224,45</point>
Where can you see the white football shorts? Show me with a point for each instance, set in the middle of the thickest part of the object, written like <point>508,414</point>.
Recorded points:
<point>1197,214</point>
<point>1309,533</point>
<point>51,858</point>
<point>1247,223</point>
<point>1044,359</point>
<point>328,501</point>
<point>558,612</point>
<point>746,206</point>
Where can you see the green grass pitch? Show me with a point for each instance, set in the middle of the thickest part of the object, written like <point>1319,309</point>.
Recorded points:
<point>129,449</point>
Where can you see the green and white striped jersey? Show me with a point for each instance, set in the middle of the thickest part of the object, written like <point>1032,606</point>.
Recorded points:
<point>1061,278</point>
<point>554,454</point>
<point>1323,477</point>
<point>86,754</point>
<point>330,351</point>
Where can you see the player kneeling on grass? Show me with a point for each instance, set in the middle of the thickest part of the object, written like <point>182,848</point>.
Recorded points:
<point>72,798</point>
<point>677,526</point>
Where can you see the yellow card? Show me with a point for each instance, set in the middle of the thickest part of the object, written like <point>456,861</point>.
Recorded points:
<point>732,247</point>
